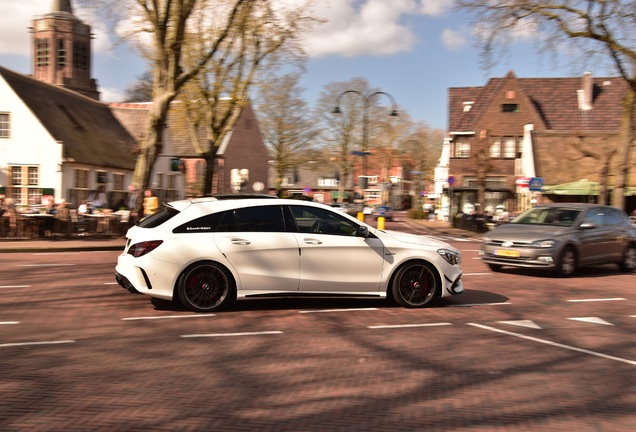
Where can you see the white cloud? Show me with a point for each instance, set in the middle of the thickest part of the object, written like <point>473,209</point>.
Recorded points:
<point>352,28</point>
<point>109,94</point>
<point>436,7</point>
<point>453,40</point>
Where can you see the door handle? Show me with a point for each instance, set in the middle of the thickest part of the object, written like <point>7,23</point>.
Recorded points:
<point>312,241</point>
<point>240,241</point>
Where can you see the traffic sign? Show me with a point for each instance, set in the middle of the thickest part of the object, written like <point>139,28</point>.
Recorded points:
<point>535,184</point>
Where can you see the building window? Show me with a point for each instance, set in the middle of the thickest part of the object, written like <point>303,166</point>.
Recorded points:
<point>34,177</point>
<point>327,182</point>
<point>80,186</point>
<point>42,53</point>
<point>510,108</point>
<point>462,148</point>
<point>80,56</point>
<point>16,175</point>
<point>5,126</point>
<point>509,147</point>
<point>495,149</point>
<point>61,54</point>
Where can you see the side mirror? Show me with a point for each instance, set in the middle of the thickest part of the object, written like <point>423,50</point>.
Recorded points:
<point>587,226</point>
<point>363,231</point>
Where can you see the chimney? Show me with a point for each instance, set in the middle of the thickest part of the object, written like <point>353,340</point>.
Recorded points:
<point>585,94</point>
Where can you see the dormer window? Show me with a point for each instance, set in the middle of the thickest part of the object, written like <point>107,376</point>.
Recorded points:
<point>509,108</point>
<point>468,106</point>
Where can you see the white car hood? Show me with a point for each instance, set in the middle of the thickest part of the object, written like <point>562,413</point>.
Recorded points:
<point>421,240</point>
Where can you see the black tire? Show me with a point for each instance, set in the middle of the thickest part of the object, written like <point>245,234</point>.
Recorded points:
<point>566,266</point>
<point>494,267</point>
<point>628,263</point>
<point>415,284</point>
<point>205,287</point>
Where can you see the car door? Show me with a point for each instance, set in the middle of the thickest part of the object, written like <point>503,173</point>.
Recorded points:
<point>595,241</point>
<point>261,250</point>
<point>617,227</point>
<point>332,257</point>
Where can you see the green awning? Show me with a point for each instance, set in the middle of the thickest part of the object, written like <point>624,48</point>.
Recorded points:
<point>48,191</point>
<point>335,194</point>
<point>580,187</point>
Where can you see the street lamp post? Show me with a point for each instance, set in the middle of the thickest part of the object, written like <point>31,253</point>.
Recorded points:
<point>365,117</point>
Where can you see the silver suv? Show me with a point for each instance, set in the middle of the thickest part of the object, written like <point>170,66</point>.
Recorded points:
<point>562,237</point>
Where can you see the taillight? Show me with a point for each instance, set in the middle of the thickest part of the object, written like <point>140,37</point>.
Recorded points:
<point>140,249</point>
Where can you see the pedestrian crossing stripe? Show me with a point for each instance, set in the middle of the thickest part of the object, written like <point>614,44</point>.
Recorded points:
<point>593,320</point>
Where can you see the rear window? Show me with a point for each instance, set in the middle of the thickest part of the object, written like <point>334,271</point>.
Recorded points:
<point>216,222</point>
<point>154,220</point>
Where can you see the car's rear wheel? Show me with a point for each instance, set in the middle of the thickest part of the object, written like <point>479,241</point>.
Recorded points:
<point>205,287</point>
<point>566,266</point>
<point>628,264</point>
<point>415,284</point>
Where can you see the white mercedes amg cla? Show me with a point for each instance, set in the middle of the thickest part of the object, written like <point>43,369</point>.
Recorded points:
<point>208,252</point>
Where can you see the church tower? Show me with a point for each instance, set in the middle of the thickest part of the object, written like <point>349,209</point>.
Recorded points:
<point>62,50</point>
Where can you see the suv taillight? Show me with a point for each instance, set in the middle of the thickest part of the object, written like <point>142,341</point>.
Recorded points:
<point>140,249</point>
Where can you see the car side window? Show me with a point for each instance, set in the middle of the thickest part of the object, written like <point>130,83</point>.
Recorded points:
<point>613,217</point>
<point>215,222</point>
<point>594,216</point>
<point>321,221</point>
<point>260,219</point>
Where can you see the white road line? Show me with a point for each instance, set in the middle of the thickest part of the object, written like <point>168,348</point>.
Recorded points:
<point>15,286</point>
<point>479,304</point>
<point>36,343</point>
<point>593,320</point>
<point>409,325</point>
<point>597,299</point>
<point>111,283</point>
<point>336,310</point>
<point>232,334</point>
<point>167,317</point>
<point>9,322</point>
<point>523,323</point>
<point>555,344</point>
<point>45,265</point>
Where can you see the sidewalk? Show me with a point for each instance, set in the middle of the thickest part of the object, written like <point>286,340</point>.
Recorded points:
<point>63,245</point>
<point>118,243</point>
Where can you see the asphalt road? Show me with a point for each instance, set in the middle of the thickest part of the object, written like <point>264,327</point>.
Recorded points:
<point>517,351</point>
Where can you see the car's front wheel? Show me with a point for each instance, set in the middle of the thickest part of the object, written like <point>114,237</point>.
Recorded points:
<point>628,264</point>
<point>205,287</point>
<point>415,284</point>
<point>566,266</point>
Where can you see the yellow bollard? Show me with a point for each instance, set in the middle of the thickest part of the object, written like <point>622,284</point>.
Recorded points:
<point>381,222</point>
<point>361,216</point>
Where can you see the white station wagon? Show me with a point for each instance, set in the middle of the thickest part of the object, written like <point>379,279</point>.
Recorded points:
<point>207,252</point>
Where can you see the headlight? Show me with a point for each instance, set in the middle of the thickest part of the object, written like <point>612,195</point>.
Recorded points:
<point>543,244</point>
<point>486,239</point>
<point>449,256</point>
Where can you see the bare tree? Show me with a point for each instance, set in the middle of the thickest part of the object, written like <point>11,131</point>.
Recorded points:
<point>141,89</point>
<point>285,122</point>
<point>598,29</point>
<point>263,36</point>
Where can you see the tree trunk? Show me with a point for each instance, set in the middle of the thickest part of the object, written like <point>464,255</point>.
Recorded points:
<point>627,136</point>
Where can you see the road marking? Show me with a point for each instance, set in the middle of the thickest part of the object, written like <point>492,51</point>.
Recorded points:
<point>36,343</point>
<point>232,334</point>
<point>336,310</point>
<point>111,283</point>
<point>478,304</point>
<point>167,317</point>
<point>597,299</point>
<point>45,265</point>
<point>523,323</point>
<point>478,274</point>
<point>555,344</point>
<point>593,320</point>
<point>9,322</point>
<point>15,286</point>
<point>409,325</point>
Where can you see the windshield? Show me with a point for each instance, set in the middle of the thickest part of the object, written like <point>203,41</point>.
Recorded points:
<point>561,216</point>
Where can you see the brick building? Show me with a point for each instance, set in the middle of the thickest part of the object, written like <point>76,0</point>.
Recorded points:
<point>557,129</point>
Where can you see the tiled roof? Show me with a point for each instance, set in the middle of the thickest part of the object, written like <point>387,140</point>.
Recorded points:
<point>88,130</point>
<point>555,99</point>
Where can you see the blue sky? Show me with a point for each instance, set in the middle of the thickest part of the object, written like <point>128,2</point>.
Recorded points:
<point>413,49</point>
